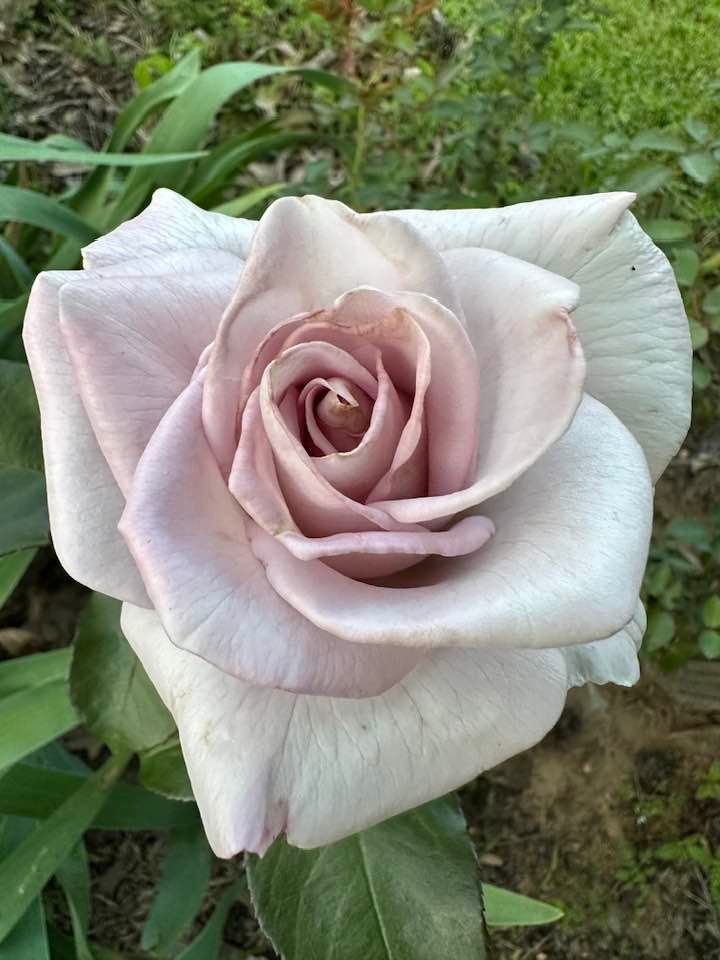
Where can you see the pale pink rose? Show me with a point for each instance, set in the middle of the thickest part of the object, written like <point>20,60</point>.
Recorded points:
<point>372,498</point>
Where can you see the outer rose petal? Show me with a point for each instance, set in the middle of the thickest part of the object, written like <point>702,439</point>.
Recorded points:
<point>186,532</point>
<point>613,660</point>
<point>84,500</point>
<point>134,347</point>
<point>264,761</point>
<point>171,223</point>
<point>306,253</point>
<point>631,319</point>
<point>564,567</point>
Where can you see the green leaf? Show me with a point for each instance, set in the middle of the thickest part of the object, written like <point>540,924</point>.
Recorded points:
<point>698,335</point>
<point>667,231</point>
<point>24,519</point>
<point>109,685</point>
<point>702,377</point>
<point>206,946</point>
<point>698,130</point>
<point>74,877</point>
<point>213,173</point>
<point>686,264</point>
<point>30,790</point>
<point>14,149</point>
<point>660,630</point>
<point>12,567</point>
<point>91,199</point>
<point>506,909</point>
<point>186,122</point>
<point>657,140</point>
<point>26,206</point>
<point>63,948</point>
<point>700,167</point>
<point>711,301</point>
<point>28,940</point>
<point>28,868</point>
<point>241,205</point>
<point>12,313</point>
<point>709,643</point>
<point>406,889</point>
<point>711,611</point>
<point>20,443</point>
<point>162,770</point>
<point>32,717</point>
<point>645,180</point>
<point>34,670</point>
<point>690,531</point>
<point>20,270</point>
<point>182,888</point>
<point>132,116</point>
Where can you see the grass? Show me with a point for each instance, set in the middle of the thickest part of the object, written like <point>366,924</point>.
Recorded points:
<point>646,63</point>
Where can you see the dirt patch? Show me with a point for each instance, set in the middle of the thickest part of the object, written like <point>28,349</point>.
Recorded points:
<point>67,66</point>
<point>592,820</point>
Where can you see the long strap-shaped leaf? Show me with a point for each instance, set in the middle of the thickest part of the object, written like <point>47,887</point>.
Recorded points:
<point>92,196</point>
<point>28,940</point>
<point>12,567</point>
<point>26,206</point>
<point>187,120</point>
<point>28,790</point>
<point>169,86</point>
<point>181,890</point>
<point>74,877</point>
<point>22,672</point>
<point>14,149</point>
<point>33,717</point>
<point>28,868</point>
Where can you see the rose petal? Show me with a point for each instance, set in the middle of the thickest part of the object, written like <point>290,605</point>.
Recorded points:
<point>209,589</point>
<point>254,483</point>
<point>134,347</point>
<point>265,761</point>
<point>317,508</point>
<point>564,566</point>
<point>305,254</point>
<point>613,660</point>
<point>531,372</point>
<point>466,536</point>
<point>173,263</point>
<point>631,319</point>
<point>84,501</point>
<point>171,223</point>
<point>355,472</point>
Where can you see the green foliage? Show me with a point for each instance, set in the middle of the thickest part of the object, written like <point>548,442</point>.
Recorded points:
<point>506,909</point>
<point>24,872</point>
<point>642,65</point>
<point>406,889</point>
<point>681,591</point>
<point>32,717</point>
<point>33,790</point>
<point>162,769</point>
<point>28,938</point>
<point>109,686</point>
<point>182,887</point>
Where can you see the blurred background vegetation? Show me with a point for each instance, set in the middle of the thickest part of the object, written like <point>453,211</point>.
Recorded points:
<point>458,103</point>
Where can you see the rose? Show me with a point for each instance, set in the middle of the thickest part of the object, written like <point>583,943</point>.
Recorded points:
<point>372,500</point>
